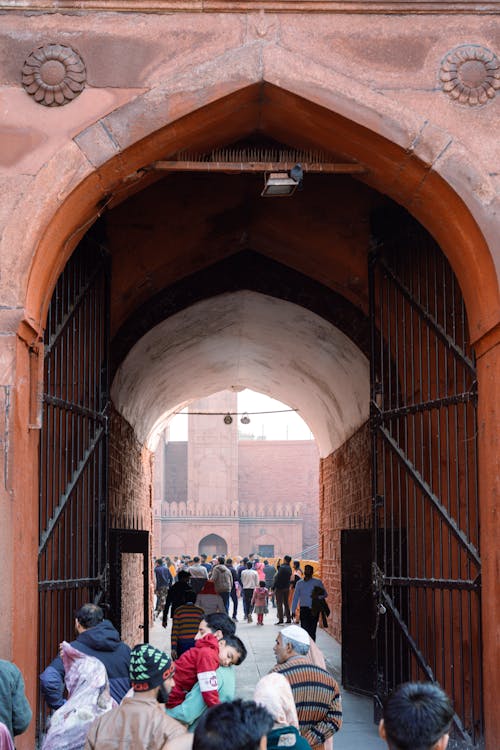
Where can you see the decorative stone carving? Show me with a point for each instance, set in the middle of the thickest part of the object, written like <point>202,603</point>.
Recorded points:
<point>470,74</point>
<point>54,75</point>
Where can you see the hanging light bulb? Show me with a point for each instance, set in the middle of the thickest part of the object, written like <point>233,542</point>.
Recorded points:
<point>245,419</point>
<point>228,419</point>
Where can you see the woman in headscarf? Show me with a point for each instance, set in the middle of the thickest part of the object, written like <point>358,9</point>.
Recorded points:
<point>88,697</point>
<point>274,693</point>
<point>209,600</point>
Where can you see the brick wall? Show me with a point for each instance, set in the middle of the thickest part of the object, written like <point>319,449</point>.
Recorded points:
<point>345,503</point>
<point>130,507</point>
<point>131,599</point>
<point>130,478</point>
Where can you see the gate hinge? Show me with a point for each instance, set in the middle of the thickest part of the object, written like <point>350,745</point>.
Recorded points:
<point>104,580</point>
<point>378,579</point>
<point>375,416</point>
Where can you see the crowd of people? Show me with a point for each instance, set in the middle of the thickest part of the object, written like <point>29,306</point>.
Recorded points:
<point>106,696</point>
<point>220,584</point>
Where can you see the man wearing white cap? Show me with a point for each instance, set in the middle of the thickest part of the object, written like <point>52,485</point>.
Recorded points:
<point>315,692</point>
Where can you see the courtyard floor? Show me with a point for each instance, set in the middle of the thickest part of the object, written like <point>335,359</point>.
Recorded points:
<point>358,730</point>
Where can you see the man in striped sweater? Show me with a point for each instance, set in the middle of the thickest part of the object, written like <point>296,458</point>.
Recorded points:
<point>185,624</point>
<point>315,692</point>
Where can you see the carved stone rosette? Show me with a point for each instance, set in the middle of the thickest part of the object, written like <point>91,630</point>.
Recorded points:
<point>470,74</point>
<point>54,75</point>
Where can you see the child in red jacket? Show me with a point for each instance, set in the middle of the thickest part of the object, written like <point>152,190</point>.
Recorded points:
<point>200,662</point>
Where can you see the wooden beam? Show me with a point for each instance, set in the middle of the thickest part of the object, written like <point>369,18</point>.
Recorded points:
<point>256,166</point>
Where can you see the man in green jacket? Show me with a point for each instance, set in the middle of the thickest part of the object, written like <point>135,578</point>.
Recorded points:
<point>15,711</point>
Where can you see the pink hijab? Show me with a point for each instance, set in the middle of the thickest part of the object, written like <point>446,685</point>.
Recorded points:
<point>5,738</point>
<point>259,567</point>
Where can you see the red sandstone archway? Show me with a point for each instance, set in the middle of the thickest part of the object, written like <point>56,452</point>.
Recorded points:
<point>385,145</point>
<point>288,116</point>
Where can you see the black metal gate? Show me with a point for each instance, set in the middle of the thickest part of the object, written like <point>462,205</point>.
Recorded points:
<point>426,569</point>
<point>73,448</point>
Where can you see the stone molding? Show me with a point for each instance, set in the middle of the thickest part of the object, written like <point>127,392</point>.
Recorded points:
<point>368,7</point>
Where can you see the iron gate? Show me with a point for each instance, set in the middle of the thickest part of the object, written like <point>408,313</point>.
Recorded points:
<point>426,564</point>
<point>73,448</point>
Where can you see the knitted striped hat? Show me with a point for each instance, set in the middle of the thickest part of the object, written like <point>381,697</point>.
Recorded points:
<point>149,667</point>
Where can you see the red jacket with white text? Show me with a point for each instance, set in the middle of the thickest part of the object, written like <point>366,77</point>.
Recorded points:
<point>198,663</point>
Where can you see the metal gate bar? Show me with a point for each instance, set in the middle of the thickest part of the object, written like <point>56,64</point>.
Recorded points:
<point>73,449</point>
<point>426,570</point>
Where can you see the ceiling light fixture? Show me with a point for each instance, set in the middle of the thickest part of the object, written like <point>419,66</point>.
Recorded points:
<point>278,185</point>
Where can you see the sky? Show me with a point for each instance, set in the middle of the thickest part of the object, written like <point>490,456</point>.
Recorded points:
<point>286,426</point>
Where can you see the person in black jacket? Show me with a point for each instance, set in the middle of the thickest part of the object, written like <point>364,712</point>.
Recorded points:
<point>177,594</point>
<point>281,588</point>
<point>96,637</point>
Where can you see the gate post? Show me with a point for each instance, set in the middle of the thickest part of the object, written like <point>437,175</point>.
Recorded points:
<point>488,369</point>
<point>19,436</point>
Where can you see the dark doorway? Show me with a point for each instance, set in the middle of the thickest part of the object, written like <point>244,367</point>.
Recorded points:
<point>358,619</point>
<point>129,559</point>
<point>213,544</point>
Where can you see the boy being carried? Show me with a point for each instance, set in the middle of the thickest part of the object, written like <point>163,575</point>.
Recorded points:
<point>199,664</point>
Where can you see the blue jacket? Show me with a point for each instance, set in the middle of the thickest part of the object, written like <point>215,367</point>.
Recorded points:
<point>15,711</point>
<point>103,642</point>
<point>163,576</point>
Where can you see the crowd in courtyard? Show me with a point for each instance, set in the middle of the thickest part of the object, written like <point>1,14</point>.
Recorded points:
<point>106,696</point>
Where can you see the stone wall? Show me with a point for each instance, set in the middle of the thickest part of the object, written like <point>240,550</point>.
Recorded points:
<point>345,503</point>
<point>281,473</point>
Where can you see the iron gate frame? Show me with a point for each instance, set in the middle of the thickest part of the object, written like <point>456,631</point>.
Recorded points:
<point>73,454</point>
<point>393,594</point>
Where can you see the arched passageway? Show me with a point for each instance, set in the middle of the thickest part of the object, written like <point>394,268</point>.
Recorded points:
<point>261,333</point>
<point>212,544</point>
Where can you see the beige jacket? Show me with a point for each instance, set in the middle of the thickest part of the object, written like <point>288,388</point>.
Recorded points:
<point>138,723</point>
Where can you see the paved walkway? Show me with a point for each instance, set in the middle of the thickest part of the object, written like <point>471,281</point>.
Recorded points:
<point>358,730</point>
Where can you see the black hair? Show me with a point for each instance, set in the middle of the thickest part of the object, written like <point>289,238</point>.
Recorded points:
<point>221,559</point>
<point>220,621</point>
<point>416,716</point>
<point>183,574</point>
<point>239,725</point>
<point>89,615</point>
<point>287,559</point>
<point>229,561</point>
<point>266,562</point>
<point>190,596</point>
<point>237,643</point>
<point>249,565</point>
<point>262,584</point>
